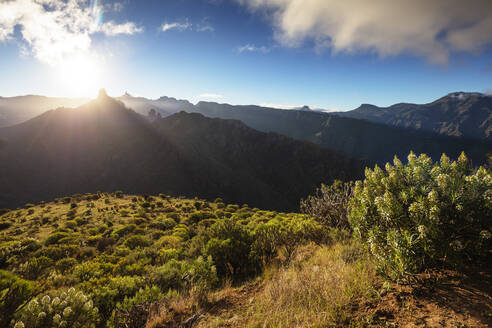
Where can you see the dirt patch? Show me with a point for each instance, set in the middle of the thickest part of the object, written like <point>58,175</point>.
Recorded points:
<point>444,299</point>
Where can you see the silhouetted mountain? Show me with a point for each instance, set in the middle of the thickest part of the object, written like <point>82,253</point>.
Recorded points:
<point>459,114</point>
<point>15,110</point>
<point>354,137</point>
<point>105,146</point>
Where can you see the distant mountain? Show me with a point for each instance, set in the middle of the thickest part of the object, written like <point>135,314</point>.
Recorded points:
<point>455,123</point>
<point>460,114</point>
<point>165,106</point>
<point>105,146</point>
<point>15,110</point>
<point>354,137</point>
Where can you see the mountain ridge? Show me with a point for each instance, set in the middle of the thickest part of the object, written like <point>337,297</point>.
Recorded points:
<point>105,146</point>
<point>459,114</point>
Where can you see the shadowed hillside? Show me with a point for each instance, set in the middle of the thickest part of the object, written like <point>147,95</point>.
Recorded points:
<point>354,137</point>
<point>105,146</point>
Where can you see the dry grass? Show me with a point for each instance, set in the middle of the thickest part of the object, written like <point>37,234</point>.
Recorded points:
<point>316,292</point>
<point>321,287</point>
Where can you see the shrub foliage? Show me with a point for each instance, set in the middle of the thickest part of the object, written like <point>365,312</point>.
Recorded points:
<point>423,214</point>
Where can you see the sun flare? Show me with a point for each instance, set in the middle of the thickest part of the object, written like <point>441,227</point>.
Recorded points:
<point>80,76</point>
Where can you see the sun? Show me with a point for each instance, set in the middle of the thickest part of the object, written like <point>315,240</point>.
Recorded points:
<point>80,76</point>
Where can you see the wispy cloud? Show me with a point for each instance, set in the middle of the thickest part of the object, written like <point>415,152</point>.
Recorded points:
<point>279,106</point>
<point>211,96</point>
<point>432,29</point>
<point>176,26</point>
<point>252,48</point>
<point>55,29</point>
<point>111,28</point>
<point>204,26</point>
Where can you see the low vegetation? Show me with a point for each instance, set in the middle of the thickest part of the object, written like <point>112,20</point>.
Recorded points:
<point>114,251</point>
<point>116,260</point>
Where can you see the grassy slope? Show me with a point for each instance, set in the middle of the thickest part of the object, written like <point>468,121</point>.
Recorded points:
<point>319,285</point>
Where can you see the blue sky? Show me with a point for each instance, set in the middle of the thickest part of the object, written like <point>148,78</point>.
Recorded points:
<point>242,52</point>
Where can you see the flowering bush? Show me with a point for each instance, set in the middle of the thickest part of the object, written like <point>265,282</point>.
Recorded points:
<point>62,309</point>
<point>424,214</point>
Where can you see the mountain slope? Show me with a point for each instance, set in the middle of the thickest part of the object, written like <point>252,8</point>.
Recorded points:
<point>354,137</point>
<point>459,114</point>
<point>15,110</point>
<point>105,146</point>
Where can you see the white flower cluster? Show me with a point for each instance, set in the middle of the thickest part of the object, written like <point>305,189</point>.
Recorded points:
<point>65,309</point>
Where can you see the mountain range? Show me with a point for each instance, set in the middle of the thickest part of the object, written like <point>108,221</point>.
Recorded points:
<point>266,157</point>
<point>459,114</point>
<point>356,138</point>
<point>457,122</point>
<point>105,146</point>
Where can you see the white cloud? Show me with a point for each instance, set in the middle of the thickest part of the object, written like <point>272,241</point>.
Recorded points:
<point>56,29</point>
<point>176,26</point>
<point>211,96</point>
<point>431,29</point>
<point>111,28</point>
<point>279,106</point>
<point>253,48</point>
<point>205,28</point>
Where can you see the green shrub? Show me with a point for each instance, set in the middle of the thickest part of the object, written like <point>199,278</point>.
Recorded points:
<point>60,309</point>
<point>87,271</point>
<point>109,292</point>
<point>163,224</point>
<point>104,243</point>
<point>55,252</point>
<point>128,313</point>
<point>198,274</point>
<point>65,264</point>
<point>137,241</point>
<point>85,253</point>
<point>14,292</point>
<point>124,230</point>
<point>35,267</point>
<point>198,216</point>
<point>423,214</point>
<point>169,275</point>
<point>230,246</point>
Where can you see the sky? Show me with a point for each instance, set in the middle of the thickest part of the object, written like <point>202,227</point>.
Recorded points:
<point>326,54</point>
